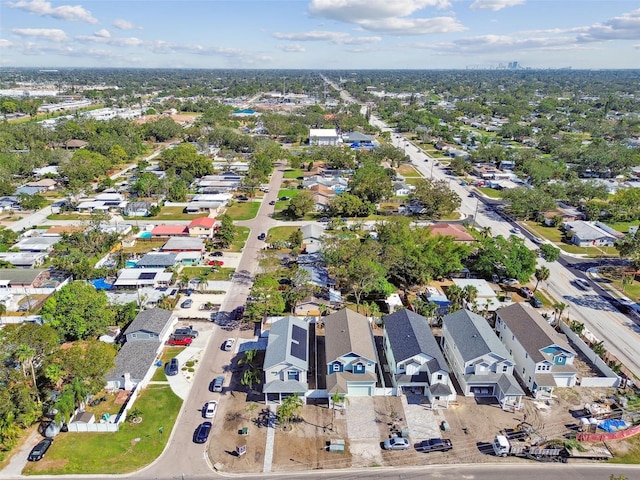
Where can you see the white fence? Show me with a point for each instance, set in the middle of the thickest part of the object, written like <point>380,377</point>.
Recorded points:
<point>21,319</point>
<point>386,392</point>
<point>609,378</point>
<point>78,427</point>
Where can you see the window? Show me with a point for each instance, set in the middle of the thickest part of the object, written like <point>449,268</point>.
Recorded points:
<point>523,370</point>
<point>526,355</point>
<point>529,379</point>
<point>505,368</point>
<point>439,377</point>
<point>293,375</point>
<point>358,368</point>
<point>336,367</point>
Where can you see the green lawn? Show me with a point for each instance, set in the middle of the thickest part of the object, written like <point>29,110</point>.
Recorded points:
<point>289,192</point>
<point>293,173</point>
<point>219,273</point>
<point>632,290</point>
<point>280,233</point>
<point>127,450</point>
<point>144,246</point>
<point>241,239</point>
<point>490,192</point>
<point>69,216</point>
<point>623,227</point>
<point>414,180</point>
<point>174,213</point>
<point>553,234</point>
<point>243,210</point>
<point>629,453</point>
<point>593,252</point>
<point>408,171</point>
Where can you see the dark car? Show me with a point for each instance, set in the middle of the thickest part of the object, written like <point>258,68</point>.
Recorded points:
<point>172,367</point>
<point>37,452</point>
<point>202,432</point>
<point>262,236</point>
<point>434,445</point>
<point>187,303</point>
<point>272,202</point>
<point>535,302</point>
<point>186,332</point>
<point>216,254</point>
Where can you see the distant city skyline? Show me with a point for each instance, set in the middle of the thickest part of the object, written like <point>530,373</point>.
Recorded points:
<point>320,34</point>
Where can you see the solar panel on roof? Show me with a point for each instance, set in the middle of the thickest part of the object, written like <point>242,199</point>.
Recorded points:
<point>299,342</point>
<point>147,276</point>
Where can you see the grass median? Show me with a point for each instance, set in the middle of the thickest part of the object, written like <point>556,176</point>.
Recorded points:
<point>127,450</point>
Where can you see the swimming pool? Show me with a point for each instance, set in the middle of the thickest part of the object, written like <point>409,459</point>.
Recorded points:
<point>144,235</point>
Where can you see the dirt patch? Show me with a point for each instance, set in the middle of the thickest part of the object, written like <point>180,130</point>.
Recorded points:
<point>45,465</point>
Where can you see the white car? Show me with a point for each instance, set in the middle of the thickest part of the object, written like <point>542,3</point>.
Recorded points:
<point>515,231</point>
<point>209,409</point>
<point>228,344</point>
<point>538,240</point>
<point>582,283</point>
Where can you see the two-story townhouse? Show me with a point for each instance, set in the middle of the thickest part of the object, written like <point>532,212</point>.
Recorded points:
<point>350,354</point>
<point>286,361</point>
<point>544,360</point>
<point>479,361</point>
<point>414,357</point>
<point>202,227</point>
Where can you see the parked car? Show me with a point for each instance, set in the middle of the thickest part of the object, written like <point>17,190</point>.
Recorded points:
<point>228,344</point>
<point>243,198</point>
<point>187,303</point>
<point>209,409</point>
<point>526,292</point>
<point>535,302</point>
<point>38,452</point>
<point>215,263</point>
<point>510,281</point>
<point>187,332</point>
<point>582,284</point>
<point>324,219</point>
<point>272,202</point>
<point>216,254</point>
<point>538,240</point>
<point>172,367</point>
<point>202,432</point>
<point>217,384</point>
<point>180,340</point>
<point>284,199</point>
<point>434,445</point>
<point>396,443</point>
<point>262,236</point>
<point>516,231</point>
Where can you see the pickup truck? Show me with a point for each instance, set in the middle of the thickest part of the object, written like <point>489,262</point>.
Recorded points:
<point>434,445</point>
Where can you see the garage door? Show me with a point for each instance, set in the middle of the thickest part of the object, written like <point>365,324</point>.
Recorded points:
<point>359,390</point>
<point>563,381</point>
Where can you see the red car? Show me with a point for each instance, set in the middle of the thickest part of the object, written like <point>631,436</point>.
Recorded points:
<point>186,341</point>
<point>216,263</point>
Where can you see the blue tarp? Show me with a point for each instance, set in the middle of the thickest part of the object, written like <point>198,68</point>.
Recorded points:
<point>101,284</point>
<point>612,425</point>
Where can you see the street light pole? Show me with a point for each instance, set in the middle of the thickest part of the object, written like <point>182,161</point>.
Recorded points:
<point>475,215</point>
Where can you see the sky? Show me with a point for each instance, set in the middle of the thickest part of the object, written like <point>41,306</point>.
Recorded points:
<point>320,34</point>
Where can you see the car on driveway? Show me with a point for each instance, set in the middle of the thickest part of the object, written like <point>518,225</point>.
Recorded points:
<point>536,302</point>
<point>172,367</point>
<point>187,332</point>
<point>227,346</point>
<point>209,409</point>
<point>434,445</point>
<point>187,303</point>
<point>396,443</point>
<point>526,292</point>
<point>37,453</point>
<point>324,220</point>
<point>215,263</point>
<point>202,432</point>
<point>216,254</point>
<point>184,341</point>
<point>510,281</point>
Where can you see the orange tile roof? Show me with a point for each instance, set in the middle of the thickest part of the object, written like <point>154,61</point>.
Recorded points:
<point>204,222</point>
<point>451,230</point>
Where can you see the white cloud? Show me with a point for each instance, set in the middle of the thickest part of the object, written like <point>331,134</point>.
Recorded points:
<point>293,48</point>
<point>355,11</point>
<point>4,43</point>
<point>103,36</point>
<point>414,26</point>
<point>338,38</point>
<point>234,55</point>
<point>103,33</point>
<point>51,34</point>
<point>625,27</point>
<point>63,12</point>
<point>637,47</point>
<point>123,24</point>
<point>502,43</point>
<point>495,5</point>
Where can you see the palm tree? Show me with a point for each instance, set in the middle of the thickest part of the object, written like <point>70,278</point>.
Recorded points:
<point>429,310</point>
<point>559,308</point>
<point>24,355</point>
<point>456,297</point>
<point>543,273</point>
<point>470,293</point>
<point>337,399</point>
<point>289,409</point>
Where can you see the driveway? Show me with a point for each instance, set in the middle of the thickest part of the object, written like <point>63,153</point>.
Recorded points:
<point>363,432</point>
<point>423,423</point>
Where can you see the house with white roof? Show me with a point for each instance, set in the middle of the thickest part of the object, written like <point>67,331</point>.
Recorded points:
<point>323,136</point>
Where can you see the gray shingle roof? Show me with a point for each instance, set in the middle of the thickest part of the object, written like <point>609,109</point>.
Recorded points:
<point>184,243</point>
<point>347,331</point>
<point>153,320</point>
<point>134,358</point>
<point>279,344</point>
<point>532,330</point>
<point>158,259</point>
<point>20,275</point>
<point>473,336</point>
<point>409,335</point>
